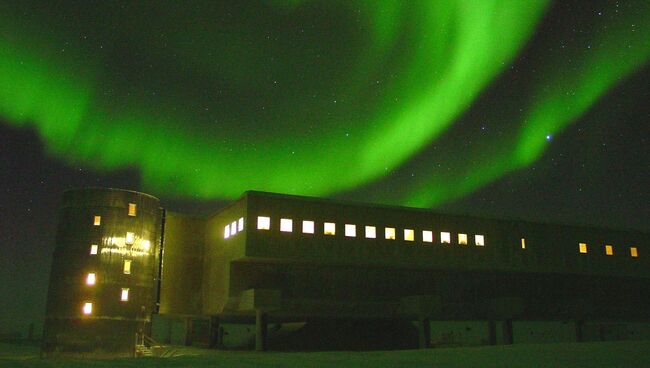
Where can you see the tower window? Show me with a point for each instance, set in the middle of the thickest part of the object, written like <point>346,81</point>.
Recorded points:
<point>124,295</point>
<point>462,239</point>
<point>582,247</point>
<point>130,238</point>
<point>241,224</point>
<point>97,220</point>
<point>233,228</point>
<point>371,232</point>
<point>87,308</point>
<point>389,233</point>
<point>146,245</point>
<point>427,236</point>
<point>350,230</point>
<point>634,252</point>
<point>409,234</point>
<point>286,225</point>
<point>308,227</point>
<point>132,209</point>
<point>263,223</point>
<point>609,250</point>
<point>445,237</point>
<point>93,249</point>
<point>226,232</point>
<point>90,279</point>
<point>523,243</point>
<point>479,240</point>
<point>127,266</point>
<point>329,228</point>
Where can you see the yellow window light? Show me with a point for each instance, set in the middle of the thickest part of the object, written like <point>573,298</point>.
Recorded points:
<point>329,228</point>
<point>263,223</point>
<point>389,233</point>
<point>582,247</point>
<point>130,238</point>
<point>427,236</point>
<point>479,240</point>
<point>409,234</point>
<point>132,209</point>
<point>93,249</point>
<point>350,230</point>
<point>240,223</point>
<point>462,239</point>
<point>87,308</point>
<point>226,232</point>
<point>233,228</point>
<point>146,245</point>
<point>286,225</point>
<point>523,243</point>
<point>124,295</point>
<point>634,252</point>
<point>445,237</point>
<point>371,232</point>
<point>308,227</point>
<point>97,220</point>
<point>127,267</point>
<point>90,279</point>
<point>609,250</point>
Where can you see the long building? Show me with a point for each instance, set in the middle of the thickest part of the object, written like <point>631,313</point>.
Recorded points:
<point>125,269</point>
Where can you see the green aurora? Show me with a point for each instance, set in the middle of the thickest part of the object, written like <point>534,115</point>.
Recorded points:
<point>301,97</point>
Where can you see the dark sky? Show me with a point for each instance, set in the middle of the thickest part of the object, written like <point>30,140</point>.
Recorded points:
<point>595,170</point>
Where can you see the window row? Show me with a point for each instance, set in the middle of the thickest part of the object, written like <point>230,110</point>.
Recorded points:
<point>609,250</point>
<point>132,211</point>
<point>370,232</point>
<point>233,228</point>
<point>87,308</point>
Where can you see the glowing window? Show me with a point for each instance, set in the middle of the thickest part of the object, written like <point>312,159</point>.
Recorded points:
<point>226,232</point>
<point>88,308</point>
<point>462,239</point>
<point>124,296</point>
<point>308,227</point>
<point>371,232</point>
<point>479,240</point>
<point>233,228</point>
<point>97,221</point>
<point>90,279</point>
<point>286,225</point>
<point>523,243</point>
<point>350,230</point>
<point>93,249</point>
<point>634,252</point>
<point>132,209</point>
<point>130,238</point>
<point>241,224</point>
<point>409,234</point>
<point>609,250</point>
<point>427,236</point>
<point>582,247</point>
<point>127,266</point>
<point>445,237</point>
<point>330,228</point>
<point>263,223</point>
<point>389,233</point>
<point>146,245</point>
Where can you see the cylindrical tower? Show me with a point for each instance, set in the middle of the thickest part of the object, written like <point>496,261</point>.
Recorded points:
<point>103,282</point>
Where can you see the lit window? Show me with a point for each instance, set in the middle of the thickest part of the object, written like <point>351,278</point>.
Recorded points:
<point>389,233</point>
<point>523,243</point>
<point>241,224</point>
<point>634,252</point>
<point>308,227</point>
<point>90,279</point>
<point>479,240</point>
<point>132,209</point>
<point>93,249</point>
<point>409,234</point>
<point>445,237</point>
<point>226,232</point>
<point>371,232</point>
<point>583,247</point>
<point>130,238</point>
<point>263,223</point>
<point>350,230</point>
<point>233,227</point>
<point>462,239</point>
<point>286,225</point>
<point>97,221</point>
<point>124,296</point>
<point>127,266</point>
<point>609,250</point>
<point>427,236</point>
<point>146,245</point>
<point>88,308</point>
<point>329,228</point>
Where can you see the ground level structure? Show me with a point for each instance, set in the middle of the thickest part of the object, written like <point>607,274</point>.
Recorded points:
<point>302,271</point>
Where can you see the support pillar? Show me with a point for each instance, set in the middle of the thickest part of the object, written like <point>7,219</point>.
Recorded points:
<point>580,325</point>
<point>261,325</point>
<point>507,332</point>
<point>215,339</point>
<point>492,332</point>
<point>424,333</point>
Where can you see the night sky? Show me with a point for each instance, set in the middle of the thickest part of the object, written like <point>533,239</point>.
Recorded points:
<point>505,109</point>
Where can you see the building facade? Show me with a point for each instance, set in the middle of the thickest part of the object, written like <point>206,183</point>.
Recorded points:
<point>267,260</point>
